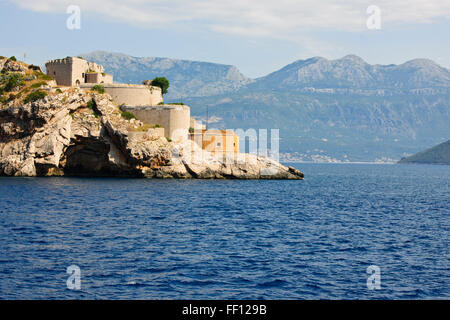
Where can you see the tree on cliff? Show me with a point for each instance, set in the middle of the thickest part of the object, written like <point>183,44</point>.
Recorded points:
<point>161,82</point>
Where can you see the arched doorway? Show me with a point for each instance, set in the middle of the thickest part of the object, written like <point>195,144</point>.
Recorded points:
<point>77,83</point>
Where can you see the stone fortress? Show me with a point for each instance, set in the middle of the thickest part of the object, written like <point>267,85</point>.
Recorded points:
<point>146,103</point>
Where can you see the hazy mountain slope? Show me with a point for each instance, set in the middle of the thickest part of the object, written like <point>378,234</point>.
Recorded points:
<point>187,78</point>
<point>352,72</point>
<point>345,127</point>
<point>439,154</point>
<point>345,109</point>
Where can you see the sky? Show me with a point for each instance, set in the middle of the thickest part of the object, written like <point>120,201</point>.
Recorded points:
<point>257,36</point>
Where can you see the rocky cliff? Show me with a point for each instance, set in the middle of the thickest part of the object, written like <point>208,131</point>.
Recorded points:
<point>76,132</point>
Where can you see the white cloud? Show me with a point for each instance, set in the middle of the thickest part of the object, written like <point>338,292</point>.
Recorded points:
<point>253,18</point>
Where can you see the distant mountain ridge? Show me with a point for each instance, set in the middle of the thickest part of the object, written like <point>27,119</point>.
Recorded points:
<point>439,154</point>
<point>337,110</point>
<point>353,72</point>
<point>187,78</point>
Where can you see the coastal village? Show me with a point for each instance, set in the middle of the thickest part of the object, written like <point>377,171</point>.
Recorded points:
<point>75,120</point>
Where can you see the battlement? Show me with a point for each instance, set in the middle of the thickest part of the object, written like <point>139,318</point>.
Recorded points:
<point>66,60</point>
<point>73,71</point>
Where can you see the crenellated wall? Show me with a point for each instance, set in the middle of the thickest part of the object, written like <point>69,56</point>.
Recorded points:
<point>72,71</point>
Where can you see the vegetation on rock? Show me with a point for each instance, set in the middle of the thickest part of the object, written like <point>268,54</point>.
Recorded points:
<point>439,154</point>
<point>161,82</point>
<point>99,88</point>
<point>128,115</point>
<point>34,96</point>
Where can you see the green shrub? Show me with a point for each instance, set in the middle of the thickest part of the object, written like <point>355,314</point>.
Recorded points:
<point>191,130</point>
<point>168,139</point>
<point>59,90</point>
<point>33,67</point>
<point>93,106</point>
<point>14,80</point>
<point>36,95</point>
<point>98,88</point>
<point>38,84</point>
<point>128,115</point>
<point>161,103</point>
<point>161,82</point>
<point>13,58</point>
<point>157,126</point>
<point>177,103</point>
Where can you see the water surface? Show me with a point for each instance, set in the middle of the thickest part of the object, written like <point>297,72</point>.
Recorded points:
<point>194,239</point>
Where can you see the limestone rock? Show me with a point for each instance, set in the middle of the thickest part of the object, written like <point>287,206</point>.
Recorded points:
<point>14,66</point>
<point>61,135</point>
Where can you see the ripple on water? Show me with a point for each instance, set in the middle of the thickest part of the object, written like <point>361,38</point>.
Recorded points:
<point>151,239</point>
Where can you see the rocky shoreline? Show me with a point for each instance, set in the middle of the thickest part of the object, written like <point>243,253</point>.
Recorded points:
<point>80,133</point>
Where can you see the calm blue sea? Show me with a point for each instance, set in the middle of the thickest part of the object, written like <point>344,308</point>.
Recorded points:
<point>158,239</point>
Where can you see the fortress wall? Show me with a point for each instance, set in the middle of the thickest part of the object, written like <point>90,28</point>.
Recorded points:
<point>79,68</point>
<point>129,94</point>
<point>67,71</point>
<point>107,78</point>
<point>156,95</point>
<point>60,70</point>
<point>93,78</point>
<point>99,78</point>
<point>217,141</point>
<point>71,70</point>
<point>174,119</point>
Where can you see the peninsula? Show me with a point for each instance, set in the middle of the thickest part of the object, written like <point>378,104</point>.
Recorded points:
<point>439,154</point>
<point>75,120</point>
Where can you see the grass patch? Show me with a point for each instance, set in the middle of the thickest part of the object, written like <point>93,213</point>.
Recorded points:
<point>93,106</point>
<point>98,88</point>
<point>42,76</point>
<point>144,128</point>
<point>177,103</point>
<point>128,115</point>
<point>12,81</point>
<point>38,84</point>
<point>34,96</point>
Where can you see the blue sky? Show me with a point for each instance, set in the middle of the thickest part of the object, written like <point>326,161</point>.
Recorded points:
<point>257,36</point>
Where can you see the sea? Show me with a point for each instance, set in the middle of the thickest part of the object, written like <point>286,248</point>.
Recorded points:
<point>347,231</point>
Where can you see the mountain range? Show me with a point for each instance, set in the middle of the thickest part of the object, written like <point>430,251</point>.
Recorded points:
<point>326,110</point>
